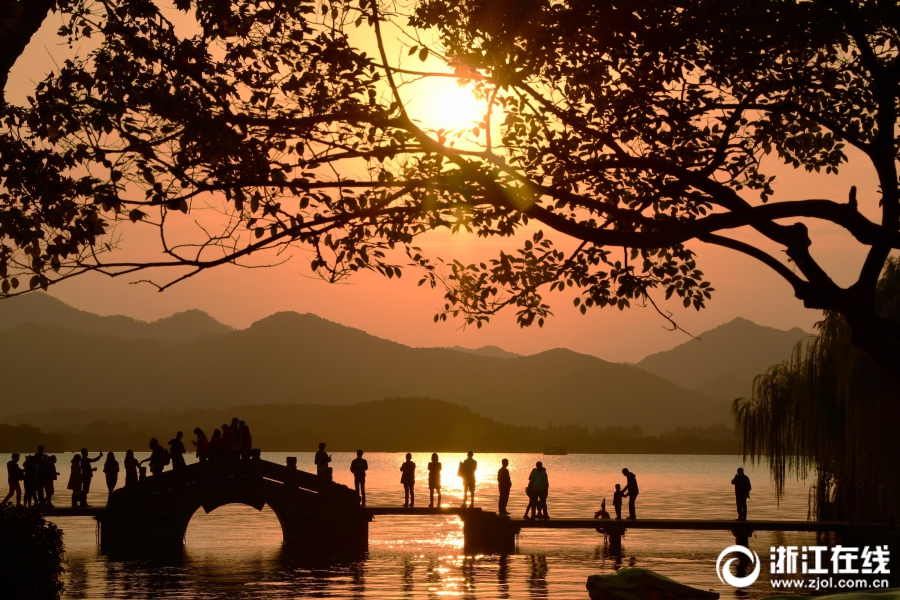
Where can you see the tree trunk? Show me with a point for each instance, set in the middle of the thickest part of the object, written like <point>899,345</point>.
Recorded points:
<point>19,21</point>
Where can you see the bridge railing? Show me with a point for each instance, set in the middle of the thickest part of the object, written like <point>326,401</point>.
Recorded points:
<point>247,469</point>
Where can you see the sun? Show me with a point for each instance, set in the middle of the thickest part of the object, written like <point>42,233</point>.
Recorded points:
<point>439,103</point>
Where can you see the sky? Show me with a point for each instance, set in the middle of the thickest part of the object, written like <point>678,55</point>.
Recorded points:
<point>402,311</point>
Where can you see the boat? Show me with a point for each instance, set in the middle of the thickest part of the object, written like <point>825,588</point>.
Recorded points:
<point>555,451</point>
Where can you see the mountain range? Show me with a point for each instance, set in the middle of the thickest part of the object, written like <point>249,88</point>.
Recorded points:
<point>60,357</point>
<point>723,361</point>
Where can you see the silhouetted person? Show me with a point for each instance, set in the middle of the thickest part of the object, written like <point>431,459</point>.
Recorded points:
<point>28,471</point>
<point>467,470</point>
<point>157,458</point>
<point>202,444</point>
<point>504,485</point>
<point>48,477</point>
<point>532,501</point>
<point>87,474</point>
<point>41,466</point>
<point>322,459</point>
<point>14,475</point>
<point>215,445</point>
<point>131,468</point>
<point>742,488</point>
<point>408,479</point>
<point>236,433</point>
<point>111,471</point>
<point>245,444</point>
<point>602,514</point>
<point>226,443</point>
<point>631,490</point>
<point>359,466</point>
<point>434,480</point>
<point>540,485</point>
<point>617,501</point>
<point>176,451</point>
<point>75,479</point>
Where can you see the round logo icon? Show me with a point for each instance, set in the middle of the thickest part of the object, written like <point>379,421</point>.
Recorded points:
<point>724,570</point>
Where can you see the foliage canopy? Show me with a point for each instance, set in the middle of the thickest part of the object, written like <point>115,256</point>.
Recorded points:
<point>31,555</point>
<point>631,128</point>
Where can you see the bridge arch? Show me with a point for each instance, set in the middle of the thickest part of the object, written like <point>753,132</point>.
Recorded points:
<point>310,510</point>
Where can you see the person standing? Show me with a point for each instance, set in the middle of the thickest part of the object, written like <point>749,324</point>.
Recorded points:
<point>504,484</point>
<point>202,444</point>
<point>408,479</point>
<point>467,470</point>
<point>227,448</point>
<point>131,468</point>
<point>49,477</point>
<point>245,445</point>
<point>28,480</point>
<point>158,457</point>
<point>87,474</point>
<point>75,480</point>
<point>236,434</point>
<point>176,451</point>
<point>434,480</point>
<point>215,446</point>
<point>14,475</point>
<point>742,488</point>
<point>540,486</point>
<point>631,490</point>
<point>617,501</point>
<point>111,471</point>
<point>359,466</point>
<point>41,462</point>
<point>322,459</point>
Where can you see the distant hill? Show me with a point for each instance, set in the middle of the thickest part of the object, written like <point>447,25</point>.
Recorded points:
<point>293,358</point>
<point>389,425</point>
<point>487,351</point>
<point>42,309</point>
<point>724,361</point>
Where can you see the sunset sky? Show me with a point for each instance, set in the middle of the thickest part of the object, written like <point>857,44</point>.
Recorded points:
<point>401,311</point>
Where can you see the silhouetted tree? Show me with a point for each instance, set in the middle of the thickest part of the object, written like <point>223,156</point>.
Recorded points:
<point>31,555</point>
<point>830,410</point>
<point>634,128</point>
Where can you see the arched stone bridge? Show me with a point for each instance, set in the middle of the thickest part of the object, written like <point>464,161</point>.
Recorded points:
<point>312,511</point>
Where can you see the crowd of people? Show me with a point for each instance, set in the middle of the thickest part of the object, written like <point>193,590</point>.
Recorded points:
<point>234,442</point>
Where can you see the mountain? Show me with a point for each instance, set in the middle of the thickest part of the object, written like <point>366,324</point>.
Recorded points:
<point>43,309</point>
<point>723,361</point>
<point>389,425</point>
<point>494,351</point>
<point>294,358</point>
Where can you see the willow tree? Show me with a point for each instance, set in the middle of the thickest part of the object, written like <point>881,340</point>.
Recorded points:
<point>632,130</point>
<point>831,411</point>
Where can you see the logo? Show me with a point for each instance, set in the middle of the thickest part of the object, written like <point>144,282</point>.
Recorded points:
<point>724,571</point>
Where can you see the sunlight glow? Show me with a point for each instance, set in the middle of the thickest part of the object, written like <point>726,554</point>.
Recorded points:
<point>439,103</point>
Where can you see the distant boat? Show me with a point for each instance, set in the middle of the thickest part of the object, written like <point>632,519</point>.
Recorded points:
<point>555,451</point>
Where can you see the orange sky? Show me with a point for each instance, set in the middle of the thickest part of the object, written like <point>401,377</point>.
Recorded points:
<point>401,311</point>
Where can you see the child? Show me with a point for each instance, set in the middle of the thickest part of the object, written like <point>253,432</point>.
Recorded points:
<point>75,479</point>
<point>617,501</point>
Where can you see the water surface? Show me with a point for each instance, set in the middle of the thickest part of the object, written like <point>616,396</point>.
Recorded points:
<point>235,552</point>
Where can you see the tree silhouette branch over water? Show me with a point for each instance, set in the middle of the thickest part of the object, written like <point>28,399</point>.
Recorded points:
<point>634,132</point>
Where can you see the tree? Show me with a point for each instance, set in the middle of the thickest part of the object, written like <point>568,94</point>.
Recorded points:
<point>633,128</point>
<point>831,410</point>
<point>31,555</point>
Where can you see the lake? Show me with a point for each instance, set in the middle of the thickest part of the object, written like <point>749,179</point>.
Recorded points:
<point>236,551</point>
